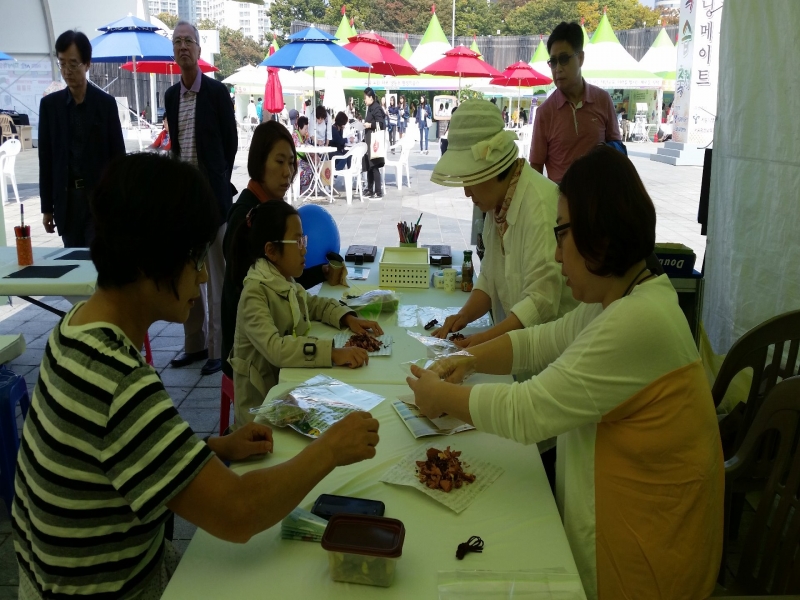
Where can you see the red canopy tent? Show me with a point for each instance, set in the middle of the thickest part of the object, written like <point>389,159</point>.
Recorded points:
<point>380,54</point>
<point>165,67</point>
<point>463,62</point>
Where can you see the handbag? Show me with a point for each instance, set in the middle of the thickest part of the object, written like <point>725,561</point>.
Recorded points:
<point>377,145</point>
<point>428,122</point>
<point>325,172</point>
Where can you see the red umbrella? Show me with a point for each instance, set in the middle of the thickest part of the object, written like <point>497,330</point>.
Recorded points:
<point>165,67</point>
<point>273,91</point>
<point>520,74</point>
<point>380,54</point>
<point>463,62</point>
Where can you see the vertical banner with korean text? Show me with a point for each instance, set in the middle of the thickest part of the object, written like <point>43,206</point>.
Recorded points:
<point>697,72</point>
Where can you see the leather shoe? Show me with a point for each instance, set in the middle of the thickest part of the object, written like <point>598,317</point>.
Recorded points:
<point>185,359</point>
<point>212,366</point>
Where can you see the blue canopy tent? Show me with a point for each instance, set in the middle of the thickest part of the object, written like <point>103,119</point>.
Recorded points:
<point>127,39</point>
<point>4,56</point>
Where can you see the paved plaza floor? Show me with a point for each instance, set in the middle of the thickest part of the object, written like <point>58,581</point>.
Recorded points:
<point>446,219</point>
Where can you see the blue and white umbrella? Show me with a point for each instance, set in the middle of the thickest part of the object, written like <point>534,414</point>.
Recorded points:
<point>4,56</point>
<point>127,39</point>
<point>312,48</point>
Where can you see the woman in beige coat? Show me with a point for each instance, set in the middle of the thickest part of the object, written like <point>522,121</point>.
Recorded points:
<point>275,313</point>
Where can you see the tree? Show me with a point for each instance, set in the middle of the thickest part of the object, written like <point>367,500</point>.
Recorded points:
<point>236,50</point>
<point>283,12</point>
<point>622,14</point>
<point>168,19</point>
<point>359,10</point>
<point>540,16</point>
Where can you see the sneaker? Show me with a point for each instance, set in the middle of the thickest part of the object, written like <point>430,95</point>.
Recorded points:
<point>367,194</point>
<point>377,195</point>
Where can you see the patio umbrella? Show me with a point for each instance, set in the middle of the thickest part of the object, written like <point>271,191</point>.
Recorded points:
<point>165,67</point>
<point>520,74</point>
<point>4,56</point>
<point>379,52</point>
<point>273,91</point>
<point>463,62</point>
<point>312,48</point>
<point>127,39</point>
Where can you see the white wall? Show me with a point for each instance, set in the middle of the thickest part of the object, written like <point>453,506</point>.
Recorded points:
<point>753,250</point>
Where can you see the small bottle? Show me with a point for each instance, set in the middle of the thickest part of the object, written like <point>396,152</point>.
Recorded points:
<point>466,272</point>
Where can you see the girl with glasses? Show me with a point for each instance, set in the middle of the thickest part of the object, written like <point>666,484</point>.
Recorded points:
<point>275,313</point>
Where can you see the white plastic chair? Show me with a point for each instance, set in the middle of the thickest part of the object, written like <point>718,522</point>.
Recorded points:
<point>293,193</point>
<point>8,156</point>
<point>405,145</point>
<point>356,155</point>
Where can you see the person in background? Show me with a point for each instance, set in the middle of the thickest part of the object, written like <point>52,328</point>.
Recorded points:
<point>293,114</point>
<point>272,166</point>
<point>252,115</point>
<point>619,380</point>
<point>204,134</point>
<point>523,116</point>
<point>339,141</point>
<point>402,116</point>
<point>106,458</point>
<point>162,141</point>
<point>393,121</point>
<point>309,111</point>
<point>443,142</point>
<point>321,136</point>
<point>422,114</point>
<point>69,165</point>
<point>373,125</point>
<point>504,114</point>
<point>275,312</point>
<point>350,109</point>
<point>260,110</point>
<point>300,137</point>
<point>577,116</point>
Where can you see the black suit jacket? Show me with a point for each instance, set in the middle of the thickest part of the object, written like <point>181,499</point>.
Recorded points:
<point>215,135</point>
<point>104,144</point>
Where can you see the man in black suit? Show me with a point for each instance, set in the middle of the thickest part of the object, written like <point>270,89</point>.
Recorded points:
<point>203,133</point>
<point>79,134</point>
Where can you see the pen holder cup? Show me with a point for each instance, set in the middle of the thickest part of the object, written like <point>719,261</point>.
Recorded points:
<point>449,280</point>
<point>408,244</point>
<point>24,251</point>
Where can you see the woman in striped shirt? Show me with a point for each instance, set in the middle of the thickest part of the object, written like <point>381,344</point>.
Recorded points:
<point>105,457</point>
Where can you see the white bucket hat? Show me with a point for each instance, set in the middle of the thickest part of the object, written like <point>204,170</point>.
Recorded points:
<point>479,147</point>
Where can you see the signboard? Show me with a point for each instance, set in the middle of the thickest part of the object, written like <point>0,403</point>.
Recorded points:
<point>697,73</point>
<point>443,106</point>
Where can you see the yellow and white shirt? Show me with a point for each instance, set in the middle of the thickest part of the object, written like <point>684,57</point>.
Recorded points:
<point>640,473</point>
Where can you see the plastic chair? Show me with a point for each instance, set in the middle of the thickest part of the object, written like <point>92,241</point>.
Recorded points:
<point>225,404</point>
<point>770,560</point>
<point>752,350</point>
<point>6,130</point>
<point>405,146</point>
<point>8,156</point>
<point>356,155</point>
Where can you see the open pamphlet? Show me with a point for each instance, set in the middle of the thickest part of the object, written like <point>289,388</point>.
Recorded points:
<point>421,426</point>
<point>313,406</point>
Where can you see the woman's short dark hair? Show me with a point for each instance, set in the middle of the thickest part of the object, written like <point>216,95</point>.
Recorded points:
<point>151,215</point>
<point>321,113</point>
<point>612,218</point>
<point>369,92</point>
<point>341,119</point>
<point>567,32</point>
<point>302,121</point>
<point>264,139</point>
<point>264,223</point>
<point>82,43</point>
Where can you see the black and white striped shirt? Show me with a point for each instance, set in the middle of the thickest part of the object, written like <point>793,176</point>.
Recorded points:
<point>102,452</point>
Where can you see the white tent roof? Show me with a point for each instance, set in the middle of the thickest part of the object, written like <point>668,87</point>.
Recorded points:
<point>250,79</point>
<point>432,46</point>
<point>662,57</point>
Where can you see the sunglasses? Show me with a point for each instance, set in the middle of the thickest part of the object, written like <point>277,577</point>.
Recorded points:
<point>561,59</point>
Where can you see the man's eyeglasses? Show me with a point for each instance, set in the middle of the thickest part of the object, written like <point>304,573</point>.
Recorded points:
<point>199,258</point>
<point>177,42</point>
<point>558,233</point>
<point>561,59</point>
<point>70,66</point>
<point>301,242</point>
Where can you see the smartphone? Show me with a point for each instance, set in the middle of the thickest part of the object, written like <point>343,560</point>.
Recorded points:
<point>328,505</point>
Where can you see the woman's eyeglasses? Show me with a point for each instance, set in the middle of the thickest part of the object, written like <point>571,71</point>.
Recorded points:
<point>301,242</point>
<point>199,258</point>
<point>561,59</point>
<point>560,232</point>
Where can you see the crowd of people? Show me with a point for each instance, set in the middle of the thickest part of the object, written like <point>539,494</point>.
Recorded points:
<point>603,357</point>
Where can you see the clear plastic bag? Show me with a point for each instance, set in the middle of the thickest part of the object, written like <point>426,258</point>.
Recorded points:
<point>313,406</point>
<point>388,300</point>
<point>436,347</point>
<point>427,363</point>
<point>509,585</point>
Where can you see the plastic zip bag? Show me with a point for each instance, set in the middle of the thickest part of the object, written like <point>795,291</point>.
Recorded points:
<point>510,585</point>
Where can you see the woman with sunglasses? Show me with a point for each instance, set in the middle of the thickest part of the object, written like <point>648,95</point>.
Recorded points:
<point>275,313</point>
<point>105,457</point>
<point>619,380</point>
